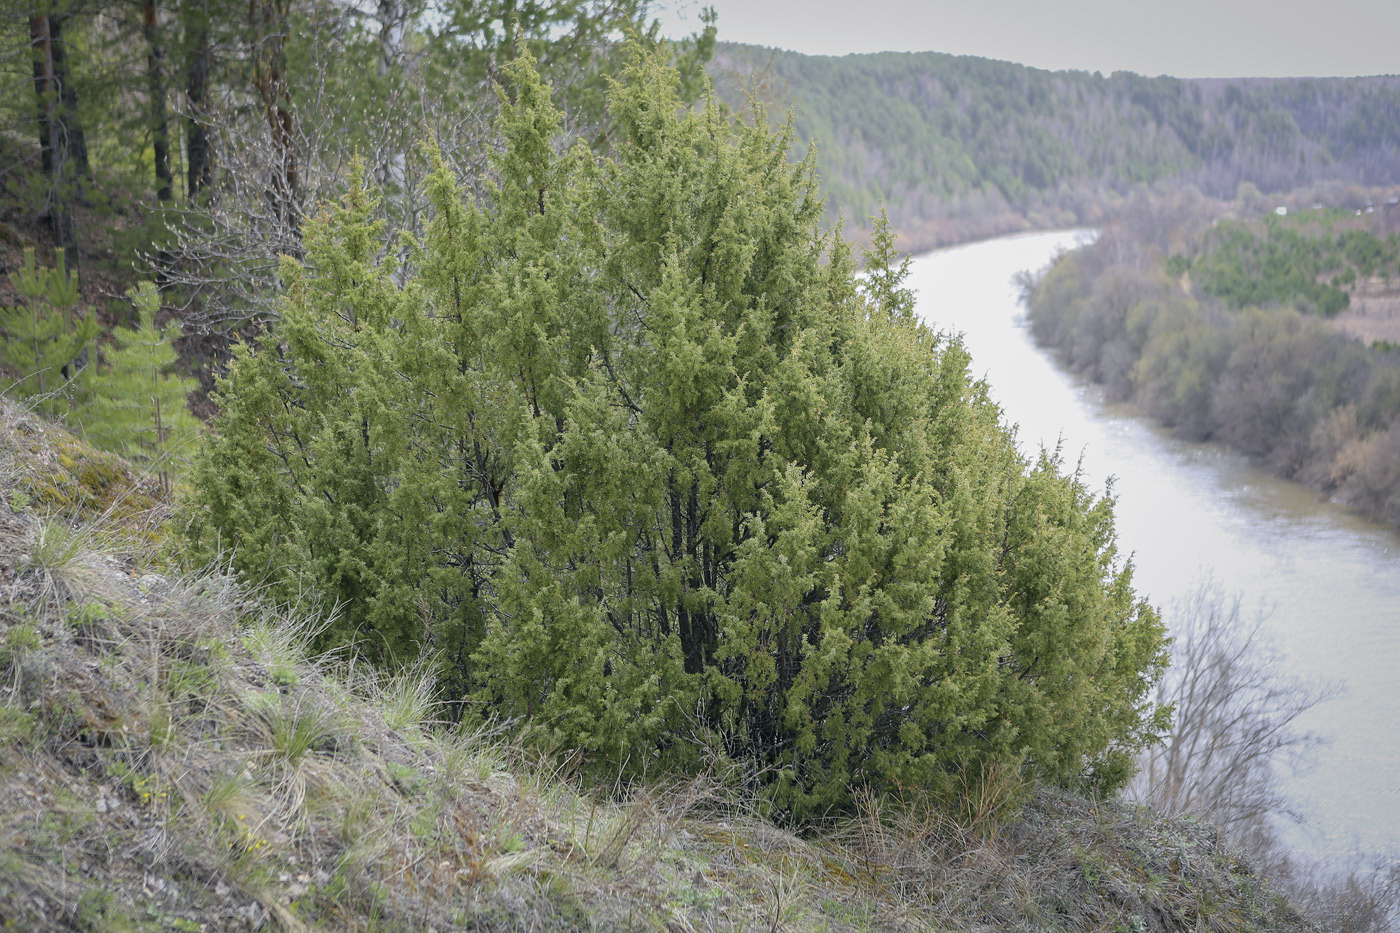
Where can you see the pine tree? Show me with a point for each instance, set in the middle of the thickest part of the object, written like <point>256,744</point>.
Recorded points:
<point>137,407</point>
<point>45,341</point>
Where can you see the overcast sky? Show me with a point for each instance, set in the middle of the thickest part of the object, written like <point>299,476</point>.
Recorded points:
<point>1186,38</point>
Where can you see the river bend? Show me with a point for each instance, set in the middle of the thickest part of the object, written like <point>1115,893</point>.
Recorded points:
<point>1329,579</point>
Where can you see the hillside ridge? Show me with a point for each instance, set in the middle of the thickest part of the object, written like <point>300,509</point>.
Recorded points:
<point>958,147</point>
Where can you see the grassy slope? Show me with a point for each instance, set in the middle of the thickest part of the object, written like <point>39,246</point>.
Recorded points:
<point>171,759</point>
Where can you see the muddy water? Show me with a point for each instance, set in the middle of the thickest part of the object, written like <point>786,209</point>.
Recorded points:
<point>1329,580</point>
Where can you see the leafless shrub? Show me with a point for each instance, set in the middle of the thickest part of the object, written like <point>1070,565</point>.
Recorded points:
<point>1235,730</point>
<point>1235,724</point>
<point>273,176</point>
<point>1363,898</point>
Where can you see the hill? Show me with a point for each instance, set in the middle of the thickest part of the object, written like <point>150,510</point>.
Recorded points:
<point>171,758</point>
<point>961,147</point>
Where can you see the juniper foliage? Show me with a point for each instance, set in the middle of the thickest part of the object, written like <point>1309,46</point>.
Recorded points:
<point>658,477</point>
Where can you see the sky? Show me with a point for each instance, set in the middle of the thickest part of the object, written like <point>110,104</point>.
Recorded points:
<point>1185,38</point>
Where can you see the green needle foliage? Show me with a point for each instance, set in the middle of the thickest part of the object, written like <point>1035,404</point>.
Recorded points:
<point>138,408</point>
<point>1299,260</point>
<point>43,338</point>
<point>657,477</point>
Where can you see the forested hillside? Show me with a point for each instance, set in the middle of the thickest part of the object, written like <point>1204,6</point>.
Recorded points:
<point>188,142</point>
<point>959,147</point>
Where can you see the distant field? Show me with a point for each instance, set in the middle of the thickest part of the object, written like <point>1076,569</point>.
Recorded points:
<point>1374,312</point>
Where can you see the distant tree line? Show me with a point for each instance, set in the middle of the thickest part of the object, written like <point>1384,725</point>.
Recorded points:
<point>957,147</point>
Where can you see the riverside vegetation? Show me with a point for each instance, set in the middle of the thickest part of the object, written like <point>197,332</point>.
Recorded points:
<point>1229,332</point>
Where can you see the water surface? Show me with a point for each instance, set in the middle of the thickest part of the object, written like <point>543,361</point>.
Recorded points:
<point>1329,579</point>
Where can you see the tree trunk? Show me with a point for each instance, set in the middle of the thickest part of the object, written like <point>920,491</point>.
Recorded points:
<point>269,21</point>
<point>199,153</point>
<point>392,171</point>
<point>155,88</point>
<point>508,20</point>
<point>41,43</point>
<point>392,15</point>
<point>63,148</point>
<point>159,124</point>
<point>75,141</point>
<point>690,644</point>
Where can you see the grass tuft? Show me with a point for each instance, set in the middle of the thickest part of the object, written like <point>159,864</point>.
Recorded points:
<point>55,545</point>
<point>297,727</point>
<point>408,699</point>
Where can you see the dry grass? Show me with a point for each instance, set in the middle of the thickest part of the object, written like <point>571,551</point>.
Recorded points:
<point>1374,312</point>
<point>171,758</point>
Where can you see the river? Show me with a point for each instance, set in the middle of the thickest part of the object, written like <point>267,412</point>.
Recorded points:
<point>1328,579</point>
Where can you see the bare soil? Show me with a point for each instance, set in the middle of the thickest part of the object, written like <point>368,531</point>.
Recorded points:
<point>1374,312</point>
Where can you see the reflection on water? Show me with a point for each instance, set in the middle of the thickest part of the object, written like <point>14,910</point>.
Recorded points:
<point>1330,578</point>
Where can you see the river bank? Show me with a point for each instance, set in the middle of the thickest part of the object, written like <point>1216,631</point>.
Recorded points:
<point>1269,376</point>
<point>1328,579</point>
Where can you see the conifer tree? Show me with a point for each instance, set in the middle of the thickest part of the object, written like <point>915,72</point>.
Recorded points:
<point>44,340</point>
<point>657,477</point>
<point>136,406</point>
